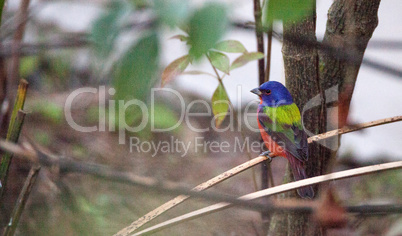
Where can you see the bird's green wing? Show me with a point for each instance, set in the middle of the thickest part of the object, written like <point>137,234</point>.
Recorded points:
<point>283,124</point>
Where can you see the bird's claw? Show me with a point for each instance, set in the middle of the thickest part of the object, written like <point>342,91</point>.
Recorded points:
<point>266,154</point>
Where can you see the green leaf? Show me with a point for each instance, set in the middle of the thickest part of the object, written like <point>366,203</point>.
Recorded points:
<point>220,61</point>
<point>106,28</point>
<point>174,69</point>
<point>246,58</point>
<point>180,37</point>
<point>135,72</point>
<point>206,27</point>
<point>220,104</point>
<point>287,11</point>
<point>172,12</point>
<point>233,46</point>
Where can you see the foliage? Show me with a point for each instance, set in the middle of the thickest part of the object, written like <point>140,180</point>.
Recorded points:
<point>220,104</point>
<point>173,12</point>
<point>205,28</point>
<point>106,28</point>
<point>135,72</point>
<point>219,61</point>
<point>175,68</point>
<point>233,46</point>
<point>286,11</point>
<point>246,58</point>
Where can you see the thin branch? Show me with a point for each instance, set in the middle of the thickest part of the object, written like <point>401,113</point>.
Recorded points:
<point>269,52</point>
<point>14,129</point>
<point>7,157</point>
<point>179,199</point>
<point>267,178</point>
<point>18,104</point>
<point>340,53</point>
<point>346,54</point>
<point>353,128</point>
<point>253,174</point>
<point>19,34</point>
<point>67,165</point>
<point>31,49</point>
<point>3,85</point>
<point>21,201</point>
<point>275,190</point>
<point>1,9</point>
<point>28,49</point>
<point>174,202</point>
<point>260,38</point>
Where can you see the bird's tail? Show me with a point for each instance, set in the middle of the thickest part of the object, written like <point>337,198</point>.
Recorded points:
<point>299,173</point>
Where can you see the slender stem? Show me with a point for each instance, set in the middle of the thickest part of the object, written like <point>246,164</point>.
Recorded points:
<point>215,70</point>
<point>18,105</point>
<point>267,78</point>
<point>275,190</point>
<point>69,166</point>
<point>269,52</point>
<point>3,84</point>
<point>1,9</point>
<point>267,170</point>
<point>21,201</point>
<point>260,38</point>
<point>18,36</point>
<point>174,202</point>
<point>254,175</point>
<point>14,130</point>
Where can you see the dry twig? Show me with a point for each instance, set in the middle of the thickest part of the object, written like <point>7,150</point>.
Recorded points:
<point>174,202</point>
<point>21,201</point>
<point>271,191</point>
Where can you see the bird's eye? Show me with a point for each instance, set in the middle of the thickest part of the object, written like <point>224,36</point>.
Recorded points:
<point>267,91</point>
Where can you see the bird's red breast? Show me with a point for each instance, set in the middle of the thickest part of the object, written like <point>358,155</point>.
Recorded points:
<point>272,146</point>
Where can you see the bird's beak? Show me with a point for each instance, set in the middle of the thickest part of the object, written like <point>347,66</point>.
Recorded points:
<point>256,91</point>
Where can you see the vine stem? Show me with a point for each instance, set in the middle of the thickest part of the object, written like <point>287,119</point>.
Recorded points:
<point>235,117</point>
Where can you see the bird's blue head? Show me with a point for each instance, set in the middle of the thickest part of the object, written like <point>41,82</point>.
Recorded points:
<point>273,94</point>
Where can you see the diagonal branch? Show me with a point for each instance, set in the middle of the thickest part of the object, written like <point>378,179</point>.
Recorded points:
<point>179,199</point>
<point>274,190</point>
<point>69,166</point>
<point>21,201</point>
<point>349,129</point>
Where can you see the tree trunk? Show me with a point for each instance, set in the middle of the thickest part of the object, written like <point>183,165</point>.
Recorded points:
<point>350,25</point>
<point>301,72</point>
<point>311,79</point>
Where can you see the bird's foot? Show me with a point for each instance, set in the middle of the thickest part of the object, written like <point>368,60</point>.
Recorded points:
<point>266,154</point>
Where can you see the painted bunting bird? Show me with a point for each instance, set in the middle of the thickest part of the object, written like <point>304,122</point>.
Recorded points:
<point>281,129</point>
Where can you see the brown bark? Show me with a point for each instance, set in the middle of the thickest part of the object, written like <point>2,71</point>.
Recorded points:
<point>350,26</point>
<point>301,72</point>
